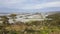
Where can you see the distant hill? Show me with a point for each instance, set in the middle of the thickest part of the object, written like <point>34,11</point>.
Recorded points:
<point>51,13</point>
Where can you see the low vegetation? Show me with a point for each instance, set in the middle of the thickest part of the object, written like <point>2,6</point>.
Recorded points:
<point>32,27</point>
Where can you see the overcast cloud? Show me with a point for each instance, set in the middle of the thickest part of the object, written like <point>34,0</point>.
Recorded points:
<point>13,5</point>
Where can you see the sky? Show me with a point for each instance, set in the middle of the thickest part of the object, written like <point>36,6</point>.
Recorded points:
<point>28,6</point>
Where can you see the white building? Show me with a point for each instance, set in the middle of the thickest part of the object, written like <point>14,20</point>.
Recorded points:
<point>27,17</point>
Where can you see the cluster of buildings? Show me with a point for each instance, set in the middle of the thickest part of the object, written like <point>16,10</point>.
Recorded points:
<point>26,17</point>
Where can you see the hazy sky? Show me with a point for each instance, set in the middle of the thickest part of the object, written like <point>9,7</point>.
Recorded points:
<point>10,6</point>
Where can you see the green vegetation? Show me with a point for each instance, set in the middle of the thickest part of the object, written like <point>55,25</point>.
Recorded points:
<point>32,27</point>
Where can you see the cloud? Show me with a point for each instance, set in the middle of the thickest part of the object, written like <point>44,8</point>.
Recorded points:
<point>44,5</point>
<point>9,3</point>
<point>29,4</point>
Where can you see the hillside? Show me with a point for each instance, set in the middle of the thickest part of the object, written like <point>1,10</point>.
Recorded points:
<point>55,19</point>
